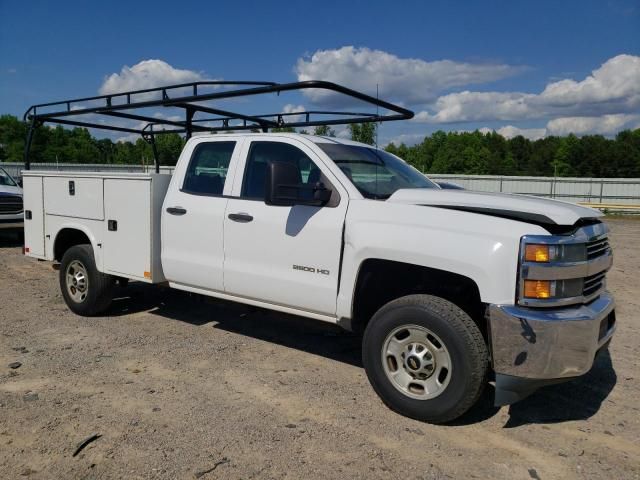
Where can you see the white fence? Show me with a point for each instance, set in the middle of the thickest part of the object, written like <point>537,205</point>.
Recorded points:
<point>616,191</point>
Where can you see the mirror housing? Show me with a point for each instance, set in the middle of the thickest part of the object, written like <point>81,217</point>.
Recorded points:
<point>283,187</point>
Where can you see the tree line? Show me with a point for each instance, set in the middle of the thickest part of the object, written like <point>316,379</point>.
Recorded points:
<point>471,153</point>
<point>77,145</point>
<point>477,153</point>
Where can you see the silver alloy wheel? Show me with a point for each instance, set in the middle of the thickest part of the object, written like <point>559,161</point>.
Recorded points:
<point>77,281</point>
<point>416,361</point>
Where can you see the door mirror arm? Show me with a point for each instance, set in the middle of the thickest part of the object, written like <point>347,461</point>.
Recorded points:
<point>321,193</point>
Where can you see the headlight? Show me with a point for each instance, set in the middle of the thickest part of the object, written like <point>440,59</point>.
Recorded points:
<point>552,289</point>
<point>539,253</point>
<point>539,289</point>
<point>557,270</point>
<point>545,253</point>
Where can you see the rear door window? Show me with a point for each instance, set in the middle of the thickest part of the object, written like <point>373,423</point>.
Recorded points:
<point>208,167</point>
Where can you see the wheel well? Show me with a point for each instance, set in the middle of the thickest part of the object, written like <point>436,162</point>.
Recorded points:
<point>67,238</point>
<point>380,281</point>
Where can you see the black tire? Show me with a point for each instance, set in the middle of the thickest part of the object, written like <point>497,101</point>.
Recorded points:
<point>99,286</point>
<point>462,339</point>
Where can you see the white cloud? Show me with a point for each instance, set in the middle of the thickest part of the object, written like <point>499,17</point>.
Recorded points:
<point>406,138</point>
<point>604,125</point>
<point>614,88</point>
<point>342,131</point>
<point>601,125</point>
<point>476,106</point>
<point>132,137</point>
<point>147,74</point>
<point>617,80</point>
<point>408,80</point>
<point>509,131</point>
<point>290,108</point>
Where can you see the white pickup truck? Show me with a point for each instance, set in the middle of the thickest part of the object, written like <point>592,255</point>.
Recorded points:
<point>11,215</point>
<point>451,288</point>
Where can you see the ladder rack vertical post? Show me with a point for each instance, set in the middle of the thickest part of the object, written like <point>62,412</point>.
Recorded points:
<point>189,124</point>
<point>27,145</point>
<point>154,148</point>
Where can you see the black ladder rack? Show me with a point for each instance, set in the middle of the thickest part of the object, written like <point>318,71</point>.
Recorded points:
<point>187,96</point>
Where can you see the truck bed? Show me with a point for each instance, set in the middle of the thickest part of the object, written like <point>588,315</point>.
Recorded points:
<point>119,213</point>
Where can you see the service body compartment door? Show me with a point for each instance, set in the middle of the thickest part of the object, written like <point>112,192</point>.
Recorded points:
<point>74,197</point>
<point>34,226</point>
<point>127,228</point>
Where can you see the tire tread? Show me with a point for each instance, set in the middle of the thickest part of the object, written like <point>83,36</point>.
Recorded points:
<point>465,328</point>
<point>101,285</point>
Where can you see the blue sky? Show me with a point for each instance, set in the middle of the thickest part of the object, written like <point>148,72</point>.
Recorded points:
<point>537,68</point>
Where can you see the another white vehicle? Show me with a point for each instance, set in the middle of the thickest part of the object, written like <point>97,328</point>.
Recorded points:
<point>451,289</point>
<point>11,212</point>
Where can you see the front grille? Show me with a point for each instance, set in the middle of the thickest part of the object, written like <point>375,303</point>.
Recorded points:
<point>593,284</point>
<point>10,204</point>
<point>597,248</point>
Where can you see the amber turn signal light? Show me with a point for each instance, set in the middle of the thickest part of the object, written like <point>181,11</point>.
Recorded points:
<point>538,289</point>
<point>536,253</point>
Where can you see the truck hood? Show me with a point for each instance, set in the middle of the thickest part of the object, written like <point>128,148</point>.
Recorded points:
<point>524,208</point>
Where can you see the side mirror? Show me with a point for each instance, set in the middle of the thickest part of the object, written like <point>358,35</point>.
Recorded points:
<point>283,187</point>
<point>19,182</point>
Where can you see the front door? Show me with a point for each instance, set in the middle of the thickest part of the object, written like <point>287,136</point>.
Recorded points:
<point>193,215</point>
<point>288,256</point>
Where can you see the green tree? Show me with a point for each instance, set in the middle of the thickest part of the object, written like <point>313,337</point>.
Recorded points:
<point>565,156</point>
<point>363,132</point>
<point>324,131</point>
<point>12,135</point>
<point>169,147</point>
<point>440,152</point>
<point>520,153</point>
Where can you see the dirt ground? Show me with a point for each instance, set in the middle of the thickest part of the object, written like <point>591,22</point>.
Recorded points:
<point>180,386</point>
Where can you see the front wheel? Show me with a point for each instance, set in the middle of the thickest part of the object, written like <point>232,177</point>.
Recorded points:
<point>86,291</point>
<point>425,358</point>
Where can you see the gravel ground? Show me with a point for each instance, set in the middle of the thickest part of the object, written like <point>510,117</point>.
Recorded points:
<point>180,386</point>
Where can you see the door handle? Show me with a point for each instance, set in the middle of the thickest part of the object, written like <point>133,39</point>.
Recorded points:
<point>240,217</point>
<point>176,210</point>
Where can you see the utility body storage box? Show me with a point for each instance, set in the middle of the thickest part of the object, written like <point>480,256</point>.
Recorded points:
<point>118,212</point>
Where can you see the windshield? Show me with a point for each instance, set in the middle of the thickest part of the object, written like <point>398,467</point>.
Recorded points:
<point>375,173</point>
<point>5,179</point>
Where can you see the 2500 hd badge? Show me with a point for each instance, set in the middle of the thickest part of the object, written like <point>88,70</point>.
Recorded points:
<point>311,269</point>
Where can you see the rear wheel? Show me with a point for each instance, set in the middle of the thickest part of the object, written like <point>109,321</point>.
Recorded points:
<point>425,357</point>
<point>86,291</point>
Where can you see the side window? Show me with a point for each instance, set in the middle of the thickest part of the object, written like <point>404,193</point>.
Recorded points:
<point>208,168</point>
<point>261,153</point>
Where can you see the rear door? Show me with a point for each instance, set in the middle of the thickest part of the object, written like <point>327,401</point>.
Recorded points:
<point>287,256</point>
<point>193,213</point>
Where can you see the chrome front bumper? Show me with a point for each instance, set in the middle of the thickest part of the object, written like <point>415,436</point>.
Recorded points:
<point>541,346</point>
